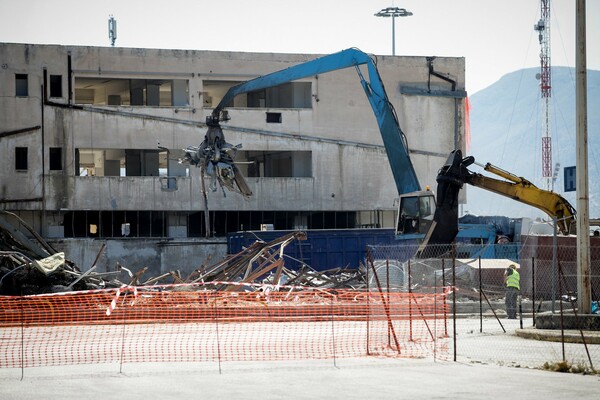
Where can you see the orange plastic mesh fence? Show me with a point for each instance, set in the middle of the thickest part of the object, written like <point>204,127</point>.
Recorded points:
<point>191,323</point>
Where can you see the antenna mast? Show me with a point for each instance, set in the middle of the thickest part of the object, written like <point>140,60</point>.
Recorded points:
<point>112,30</point>
<point>545,77</point>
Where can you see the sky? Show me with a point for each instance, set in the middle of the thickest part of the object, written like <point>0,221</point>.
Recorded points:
<point>494,37</point>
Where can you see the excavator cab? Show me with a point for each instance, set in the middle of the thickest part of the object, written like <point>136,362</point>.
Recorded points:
<point>415,213</point>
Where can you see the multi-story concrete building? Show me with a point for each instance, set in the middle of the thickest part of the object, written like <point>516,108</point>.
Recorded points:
<point>90,139</point>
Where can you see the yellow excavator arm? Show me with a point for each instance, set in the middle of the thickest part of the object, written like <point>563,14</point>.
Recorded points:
<point>455,173</point>
<point>522,190</point>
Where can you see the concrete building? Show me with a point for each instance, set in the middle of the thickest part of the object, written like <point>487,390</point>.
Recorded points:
<point>90,139</point>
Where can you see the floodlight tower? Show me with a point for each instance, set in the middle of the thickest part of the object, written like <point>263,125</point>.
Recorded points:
<point>393,12</point>
<point>545,77</point>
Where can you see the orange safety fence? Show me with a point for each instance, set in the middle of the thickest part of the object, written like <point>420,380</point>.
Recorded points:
<point>194,323</point>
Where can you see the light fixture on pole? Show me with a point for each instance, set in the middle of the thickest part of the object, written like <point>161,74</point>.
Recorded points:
<point>393,12</point>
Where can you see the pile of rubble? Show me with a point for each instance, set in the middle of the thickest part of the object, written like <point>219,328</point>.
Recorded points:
<point>30,265</point>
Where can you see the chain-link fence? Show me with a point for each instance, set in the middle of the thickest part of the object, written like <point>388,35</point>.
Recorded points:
<point>480,326</point>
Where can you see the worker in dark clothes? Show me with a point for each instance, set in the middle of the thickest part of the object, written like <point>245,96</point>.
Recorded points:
<point>513,286</point>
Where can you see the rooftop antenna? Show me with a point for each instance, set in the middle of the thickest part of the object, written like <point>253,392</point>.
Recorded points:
<point>112,30</point>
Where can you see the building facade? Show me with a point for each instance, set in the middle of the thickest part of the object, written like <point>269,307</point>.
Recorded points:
<point>90,139</point>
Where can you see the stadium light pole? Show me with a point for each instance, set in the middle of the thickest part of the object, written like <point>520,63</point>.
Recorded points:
<point>393,12</point>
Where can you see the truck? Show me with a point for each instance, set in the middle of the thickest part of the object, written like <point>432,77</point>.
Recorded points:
<point>423,217</point>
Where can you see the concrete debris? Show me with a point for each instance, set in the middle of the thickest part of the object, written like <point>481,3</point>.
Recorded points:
<point>49,264</point>
<point>30,267</point>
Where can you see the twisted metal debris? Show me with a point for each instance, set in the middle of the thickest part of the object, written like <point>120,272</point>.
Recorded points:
<point>33,266</point>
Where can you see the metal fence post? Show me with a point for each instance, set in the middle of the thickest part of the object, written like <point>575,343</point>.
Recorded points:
<point>533,289</point>
<point>454,296</point>
<point>410,319</point>
<point>554,266</point>
<point>480,299</point>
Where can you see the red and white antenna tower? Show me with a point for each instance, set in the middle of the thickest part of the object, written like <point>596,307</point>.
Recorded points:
<point>545,77</point>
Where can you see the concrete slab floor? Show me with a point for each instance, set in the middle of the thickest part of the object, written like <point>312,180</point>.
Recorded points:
<point>357,378</point>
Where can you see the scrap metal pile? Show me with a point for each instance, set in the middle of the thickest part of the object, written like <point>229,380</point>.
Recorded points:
<point>29,265</point>
<point>264,263</point>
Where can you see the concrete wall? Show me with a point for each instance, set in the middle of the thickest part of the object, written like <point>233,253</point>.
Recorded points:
<point>159,256</point>
<point>360,180</point>
<point>433,125</point>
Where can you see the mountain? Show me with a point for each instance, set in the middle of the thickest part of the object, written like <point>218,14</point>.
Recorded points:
<point>506,131</point>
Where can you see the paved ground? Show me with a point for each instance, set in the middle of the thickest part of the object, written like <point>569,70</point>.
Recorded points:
<point>556,335</point>
<point>486,368</point>
<point>362,378</point>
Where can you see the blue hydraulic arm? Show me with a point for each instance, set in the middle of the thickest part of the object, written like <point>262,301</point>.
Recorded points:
<point>393,137</point>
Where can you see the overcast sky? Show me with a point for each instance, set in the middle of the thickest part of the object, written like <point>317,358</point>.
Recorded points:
<point>495,37</point>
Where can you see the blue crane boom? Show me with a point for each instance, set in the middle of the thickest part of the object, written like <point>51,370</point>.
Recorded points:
<point>393,137</point>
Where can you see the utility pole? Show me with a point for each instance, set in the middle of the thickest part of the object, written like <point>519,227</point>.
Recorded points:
<point>584,284</point>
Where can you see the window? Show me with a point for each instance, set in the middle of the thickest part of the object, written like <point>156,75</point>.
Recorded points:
<point>21,85</point>
<point>273,117</point>
<point>128,162</point>
<point>56,86</point>
<point>275,164</point>
<point>132,92</point>
<point>416,214</point>
<point>289,95</point>
<point>55,158</point>
<point>115,224</point>
<point>21,158</point>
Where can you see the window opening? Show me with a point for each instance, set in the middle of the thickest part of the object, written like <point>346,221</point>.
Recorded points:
<point>280,164</point>
<point>128,162</point>
<point>132,92</point>
<point>56,158</point>
<point>56,86</point>
<point>115,224</point>
<point>21,158</point>
<point>273,118</point>
<point>21,85</point>
<point>288,95</point>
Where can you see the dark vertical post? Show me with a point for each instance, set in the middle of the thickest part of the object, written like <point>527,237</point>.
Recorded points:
<point>22,337</point>
<point>43,102</point>
<point>454,297</point>
<point>445,300</point>
<point>123,336</point>
<point>367,297</point>
<point>216,313</point>
<point>333,330</point>
<point>69,79</point>
<point>480,299</point>
<point>410,319</point>
<point>533,289</point>
<point>562,322</point>
<point>387,278</point>
<point>205,197</point>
